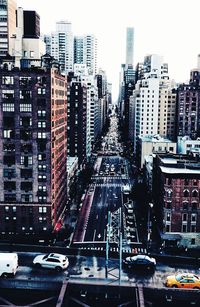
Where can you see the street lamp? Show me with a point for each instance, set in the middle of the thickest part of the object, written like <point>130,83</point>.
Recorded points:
<point>149,224</point>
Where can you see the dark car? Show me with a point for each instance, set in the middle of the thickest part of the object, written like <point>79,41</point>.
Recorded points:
<point>140,261</point>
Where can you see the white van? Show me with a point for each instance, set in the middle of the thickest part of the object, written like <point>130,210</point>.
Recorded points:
<point>8,264</point>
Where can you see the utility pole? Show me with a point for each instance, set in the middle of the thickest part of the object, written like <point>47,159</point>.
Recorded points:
<point>120,244</point>
<point>107,244</point>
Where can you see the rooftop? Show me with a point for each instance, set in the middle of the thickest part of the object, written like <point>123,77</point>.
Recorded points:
<point>155,139</point>
<point>173,170</point>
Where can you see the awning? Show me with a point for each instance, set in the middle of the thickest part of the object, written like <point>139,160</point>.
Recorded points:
<point>171,236</point>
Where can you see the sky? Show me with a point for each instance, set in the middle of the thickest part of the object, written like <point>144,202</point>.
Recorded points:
<point>170,28</point>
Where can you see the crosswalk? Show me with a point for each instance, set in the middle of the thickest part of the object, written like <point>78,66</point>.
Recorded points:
<point>109,177</point>
<point>109,184</point>
<point>128,250</point>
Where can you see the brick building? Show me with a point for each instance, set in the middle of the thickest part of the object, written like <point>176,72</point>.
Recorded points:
<point>33,149</point>
<point>176,194</point>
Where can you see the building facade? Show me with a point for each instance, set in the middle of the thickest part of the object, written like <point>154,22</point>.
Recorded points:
<point>7,26</point>
<point>62,45</point>
<point>33,143</point>
<point>77,119</point>
<point>176,192</point>
<point>188,107</point>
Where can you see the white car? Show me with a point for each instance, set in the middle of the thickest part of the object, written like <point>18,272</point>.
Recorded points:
<point>57,262</point>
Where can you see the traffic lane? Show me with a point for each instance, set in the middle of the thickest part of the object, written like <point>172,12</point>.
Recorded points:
<point>84,267</point>
<point>96,222</point>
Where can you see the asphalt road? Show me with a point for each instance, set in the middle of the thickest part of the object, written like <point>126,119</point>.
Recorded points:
<point>94,268</point>
<point>107,189</point>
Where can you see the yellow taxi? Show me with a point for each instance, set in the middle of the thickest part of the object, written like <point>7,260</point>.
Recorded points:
<point>183,280</point>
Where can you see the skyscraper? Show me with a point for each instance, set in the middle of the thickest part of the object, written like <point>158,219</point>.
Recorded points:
<point>7,25</point>
<point>85,52</point>
<point>129,46</point>
<point>62,45</point>
<point>33,159</point>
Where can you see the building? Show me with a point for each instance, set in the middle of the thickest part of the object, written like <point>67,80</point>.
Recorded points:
<point>149,145</point>
<point>72,169</point>
<point>129,45</point>
<point>26,43</point>
<point>62,45</point>
<point>153,100</point>
<point>188,110</point>
<point>188,146</point>
<point>77,119</point>
<point>33,143</point>
<point>7,26</point>
<point>31,24</point>
<point>176,190</point>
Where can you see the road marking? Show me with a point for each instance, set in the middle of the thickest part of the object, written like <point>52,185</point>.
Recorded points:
<point>99,236</point>
<point>97,217</point>
<point>94,235</point>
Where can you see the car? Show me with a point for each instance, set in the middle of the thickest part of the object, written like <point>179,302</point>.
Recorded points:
<point>140,261</point>
<point>183,280</point>
<point>54,261</point>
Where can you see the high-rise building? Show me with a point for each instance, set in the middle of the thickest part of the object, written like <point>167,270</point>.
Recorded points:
<point>152,91</point>
<point>31,24</point>
<point>7,26</point>
<point>77,119</point>
<point>188,107</point>
<point>62,45</point>
<point>129,46</point>
<point>85,52</point>
<point>33,159</point>
<point>78,50</point>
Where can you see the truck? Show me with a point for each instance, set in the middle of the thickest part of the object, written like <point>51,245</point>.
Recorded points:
<point>8,264</point>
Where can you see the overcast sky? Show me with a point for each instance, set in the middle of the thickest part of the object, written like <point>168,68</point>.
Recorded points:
<point>170,28</point>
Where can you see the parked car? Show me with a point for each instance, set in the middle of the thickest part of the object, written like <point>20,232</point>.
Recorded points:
<point>140,261</point>
<point>183,280</point>
<point>58,262</point>
<point>8,264</point>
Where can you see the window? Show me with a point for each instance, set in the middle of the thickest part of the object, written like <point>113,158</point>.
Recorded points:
<point>25,107</point>
<point>9,185</point>
<point>7,80</point>
<point>25,81</point>
<point>8,133</point>
<point>42,199</point>
<point>42,210</point>
<point>42,188</point>
<point>184,228</point>
<point>194,205</point>
<point>42,167</point>
<point>42,135</point>
<point>194,193</point>
<point>9,173</point>
<point>185,205</point>
<point>186,193</point>
<point>193,228</point>
<point>168,217</point>
<point>25,94</point>
<point>26,198</point>
<point>169,193</point>
<point>184,217</point>
<point>41,113</point>
<point>186,181</point>
<point>41,91</point>
<point>32,54</point>
<point>9,198</point>
<point>42,178</point>
<point>41,124</point>
<point>8,94</point>
<point>8,107</point>
<point>193,217</point>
